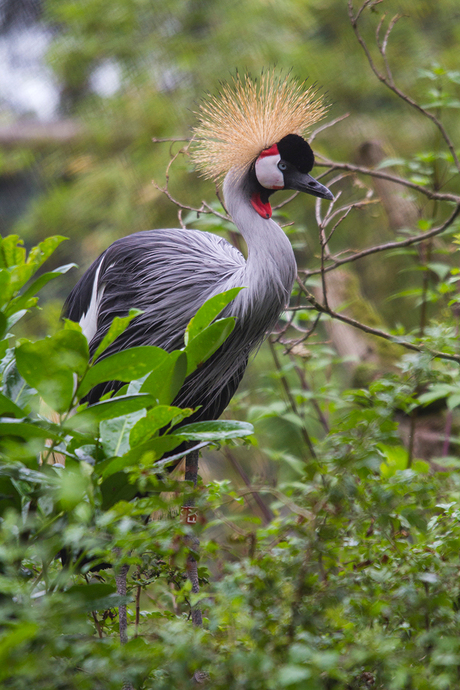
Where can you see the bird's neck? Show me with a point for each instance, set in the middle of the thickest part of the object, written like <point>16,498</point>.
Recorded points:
<point>270,268</point>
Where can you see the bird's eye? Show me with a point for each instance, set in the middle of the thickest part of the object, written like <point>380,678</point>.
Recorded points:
<point>282,165</point>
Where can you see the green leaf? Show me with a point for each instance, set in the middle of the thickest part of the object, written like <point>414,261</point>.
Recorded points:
<point>214,431</point>
<point>3,324</point>
<point>12,252</point>
<point>205,344</point>
<point>49,365</point>
<point>8,407</point>
<point>293,675</point>
<point>396,458</point>
<point>39,254</point>
<point>156,419</point>
<point>125,366</point>
<point>389,163</point>
<point>22,302</point>
<point>9,495</point>
<point>98,596</point>
<point>116,488</point>
<point>208,312</point>
<point>166,380</point>
<point>149,452</point>
<point>89,417</point>
<point>114,433</point>
<point>436,392</point>
<point>92,591</point>
<point>17,389</point>
<point>453,401</point>
<point>117,327</point>
<point>26,430</point>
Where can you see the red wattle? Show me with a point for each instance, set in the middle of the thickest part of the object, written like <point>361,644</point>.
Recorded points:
<point>263,209</point>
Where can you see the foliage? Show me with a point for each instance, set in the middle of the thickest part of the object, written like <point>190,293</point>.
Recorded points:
<point>353,583</point>
<point>336,565</point>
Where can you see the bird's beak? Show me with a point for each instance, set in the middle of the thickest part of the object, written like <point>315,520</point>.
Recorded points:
<point>302,182</point>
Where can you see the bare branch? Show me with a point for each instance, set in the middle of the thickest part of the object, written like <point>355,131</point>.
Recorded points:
<point>315,133</point>
<point>438,196</point>
<point>376,331</point>
<point>164,140</point>
<point>391,245</point>
<point>388,82</point>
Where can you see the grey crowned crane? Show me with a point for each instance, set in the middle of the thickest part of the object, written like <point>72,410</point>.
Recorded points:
<point>250,135</point>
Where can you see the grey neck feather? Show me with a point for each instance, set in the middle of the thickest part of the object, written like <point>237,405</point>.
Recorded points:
<point>270,269</point>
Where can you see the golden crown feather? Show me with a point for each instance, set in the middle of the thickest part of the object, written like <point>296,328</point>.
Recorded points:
<point>248,116</point>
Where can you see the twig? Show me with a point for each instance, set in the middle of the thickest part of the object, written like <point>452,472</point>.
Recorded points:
<point>362,170</point>
<point>97,624</point>
<point>331,123</point>
<point>388,80</point>
<point>293,507</point>
<point>376,331</point>
<point>390,245</point>
<point>264,509</point>
<point>303,382</point>
<point>291,400</point>
<point>138,611</point>
<point>163,140</point>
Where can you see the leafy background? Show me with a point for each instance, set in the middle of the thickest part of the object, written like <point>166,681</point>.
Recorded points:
<point>330,540</point>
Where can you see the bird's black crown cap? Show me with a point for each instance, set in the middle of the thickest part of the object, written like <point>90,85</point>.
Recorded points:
<point>295,150</point>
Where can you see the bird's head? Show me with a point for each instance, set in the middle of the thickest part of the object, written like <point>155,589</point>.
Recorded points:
<point>285,165</point>
<point>253,129</point>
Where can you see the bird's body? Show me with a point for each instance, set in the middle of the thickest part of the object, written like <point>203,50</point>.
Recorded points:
<point>170,273</point>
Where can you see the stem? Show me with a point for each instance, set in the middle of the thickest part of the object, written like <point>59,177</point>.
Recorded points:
<point>97,624</point>
<point>410,450</point>
<point>138,611</point>
<point>290,398</point>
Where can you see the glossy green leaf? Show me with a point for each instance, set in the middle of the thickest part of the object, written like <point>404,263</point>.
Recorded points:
<point>27,430</point>
<point>8,407</point>
<point>89,417</point>
<point>22,302</point>
<point>214,431</point>
<point>114,433</point>
<point>204,345</point>
<point>117,327</point>
<point>3,324</point>
<point>125,366</point>
<point>165,381</point>
<point>12,251</point>
<point>208,312</point>
<point>39,254</point>
<point>50,365</point>
<point>155,419</point>
<point>150,452</point>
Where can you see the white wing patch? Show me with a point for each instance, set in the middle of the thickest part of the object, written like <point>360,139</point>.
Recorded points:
<point>88,321</point>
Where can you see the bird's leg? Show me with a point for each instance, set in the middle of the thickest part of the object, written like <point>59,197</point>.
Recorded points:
<point>120,580</point>
<point>191,475</point>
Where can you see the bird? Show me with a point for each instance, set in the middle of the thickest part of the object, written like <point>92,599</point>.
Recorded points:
<point>251,137</point>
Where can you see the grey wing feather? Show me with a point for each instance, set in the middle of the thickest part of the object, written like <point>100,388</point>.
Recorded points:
<point>168,274</point>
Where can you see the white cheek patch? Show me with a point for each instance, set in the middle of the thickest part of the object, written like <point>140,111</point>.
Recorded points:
<point>268,173</point>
